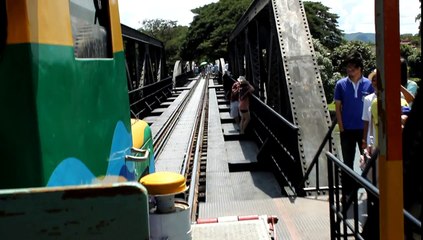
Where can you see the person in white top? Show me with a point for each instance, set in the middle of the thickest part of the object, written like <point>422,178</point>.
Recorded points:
<point>368,130</point>
<point>367,116</point>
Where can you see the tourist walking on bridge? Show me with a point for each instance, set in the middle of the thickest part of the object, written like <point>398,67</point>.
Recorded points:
<point>245,91</point>
<point>234,102</point>
<point>349,94</point>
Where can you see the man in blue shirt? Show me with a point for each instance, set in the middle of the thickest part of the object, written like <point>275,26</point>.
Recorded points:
<point>349,95</point>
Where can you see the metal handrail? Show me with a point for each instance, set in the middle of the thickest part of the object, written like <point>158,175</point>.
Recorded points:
<point>144,157</point>
<point>276,135</point>
<point>163,81</point>
<point>265,106</point>
<point>361,182</point>
<point>327,137</point>
<point>277,115</point>
<point>353,175</point>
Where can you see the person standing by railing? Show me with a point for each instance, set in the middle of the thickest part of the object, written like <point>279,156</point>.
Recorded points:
<point>349,94</point>
<point>245,91</point>
<point>234,102</point>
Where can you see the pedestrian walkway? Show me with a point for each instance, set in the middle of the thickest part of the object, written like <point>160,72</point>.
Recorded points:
<point>238,185</point>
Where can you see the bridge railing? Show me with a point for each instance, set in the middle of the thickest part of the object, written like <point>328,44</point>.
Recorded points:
<point>182,79</point>
<point>277,139</point>
<point>348,222</point>
<point>314,163</point>
<point>143,100</point>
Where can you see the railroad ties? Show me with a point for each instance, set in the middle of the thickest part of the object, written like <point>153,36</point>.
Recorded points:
<point>222,170</point>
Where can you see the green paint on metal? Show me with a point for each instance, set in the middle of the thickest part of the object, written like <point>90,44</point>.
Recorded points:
<point>58,107</point>
<point>20,155</point>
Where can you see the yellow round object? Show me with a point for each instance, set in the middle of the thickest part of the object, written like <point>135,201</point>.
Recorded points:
<point>138,131</point>
<point>164,183</point>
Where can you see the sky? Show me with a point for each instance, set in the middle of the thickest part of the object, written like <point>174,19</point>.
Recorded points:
<point>133,12</point>
<point>358,15</point>
<point>354,15</point>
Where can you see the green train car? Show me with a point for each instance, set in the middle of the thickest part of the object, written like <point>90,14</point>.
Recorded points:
<point>64,98</point>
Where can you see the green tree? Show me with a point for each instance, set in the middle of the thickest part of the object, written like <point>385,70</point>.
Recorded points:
<point>365,49</point>
<point>213,23</point>
<point>326,69</point>
<point>169,33</point>
<point>323,24</point>
<point>207,36</point>
<point>331,64</point>
<point>419,18</point>
<point>173,46</point>
<point>406,50</point>
<point>158,28</point>
<point>415,63</point>
<point>414,40</point>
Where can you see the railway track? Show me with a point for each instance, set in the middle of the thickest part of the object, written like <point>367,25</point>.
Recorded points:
<point>160,139</point>
<point>194,168</point>
<point>195,158</point>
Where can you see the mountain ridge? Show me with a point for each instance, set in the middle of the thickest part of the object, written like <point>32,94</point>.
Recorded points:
<point>360,36</point>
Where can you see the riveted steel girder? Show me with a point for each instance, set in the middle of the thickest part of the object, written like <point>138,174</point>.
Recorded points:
<point>272,46</point>
<point>145,58</point>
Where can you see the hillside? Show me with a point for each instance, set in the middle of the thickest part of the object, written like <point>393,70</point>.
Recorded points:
<point>359,36</point>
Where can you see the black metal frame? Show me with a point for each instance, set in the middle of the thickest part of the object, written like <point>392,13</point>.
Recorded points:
<point>278,141</point>
<point>338,207</point>
<point>277,57</point>
<point>145,58</point>
<point>144,100</point>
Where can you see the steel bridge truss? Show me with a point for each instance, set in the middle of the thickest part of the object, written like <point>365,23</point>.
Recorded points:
<point>145,58</point>
<point>148,84</point>
<point>272,46</point>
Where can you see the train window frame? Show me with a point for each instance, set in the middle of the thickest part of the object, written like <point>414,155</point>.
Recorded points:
<point>3,27</point>
<point>91,29</point>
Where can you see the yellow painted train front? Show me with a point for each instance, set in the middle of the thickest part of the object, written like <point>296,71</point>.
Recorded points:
<point>64,96</point>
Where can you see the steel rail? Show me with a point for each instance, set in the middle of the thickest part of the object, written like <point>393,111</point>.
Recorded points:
<point>190,167</point>
<point>194,174</point>
<point>160,139</point>
<point>192,137</point>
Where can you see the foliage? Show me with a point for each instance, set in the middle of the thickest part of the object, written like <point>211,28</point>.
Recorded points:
<point>323,24</point>
<point>365,49</point>
<point>415,63</point>
<point>406,50</point>
<point>208,34</point>
<point>173,46</point>
<point>331,65</point>
<point>413,39</point>
<point>335,77</point>
<point>415,60</point>
<point>169,33</point>
<point>419,18</point>
<point>326,69</point>
<point>413,56</point>
<point>158,28</point>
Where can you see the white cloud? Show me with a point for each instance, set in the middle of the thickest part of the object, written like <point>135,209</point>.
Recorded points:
<point>133,12</point>
<point>358,15</point>
<point>354,15</point>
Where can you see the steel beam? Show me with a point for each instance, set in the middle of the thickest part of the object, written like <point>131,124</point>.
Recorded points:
<point>289,74</point>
